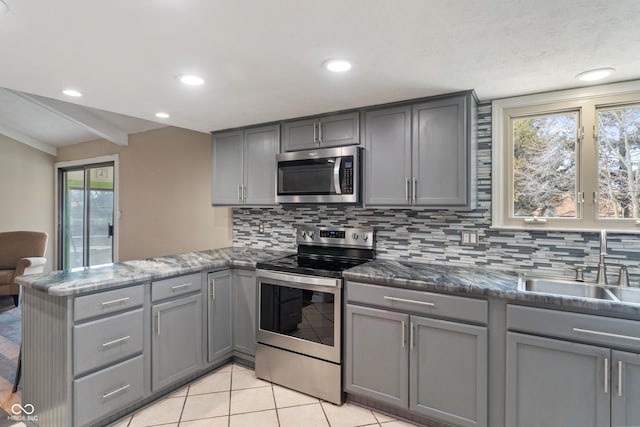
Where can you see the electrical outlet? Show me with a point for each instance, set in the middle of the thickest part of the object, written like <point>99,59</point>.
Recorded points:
<point>261,227</point>
<point>468,237</point>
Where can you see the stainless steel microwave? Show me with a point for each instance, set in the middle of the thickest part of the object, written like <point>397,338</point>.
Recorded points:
<point>328,175</point>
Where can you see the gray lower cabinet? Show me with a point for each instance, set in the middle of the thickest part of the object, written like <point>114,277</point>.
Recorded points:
<point>244,166</point>
<point>422,154</point>
<point>322,132</point>
<point>556,383</point>
<point>244,311</point>
<point>177,340</point>
<point>435,368</point>
<point>219,316</point>
<point>625,393</point>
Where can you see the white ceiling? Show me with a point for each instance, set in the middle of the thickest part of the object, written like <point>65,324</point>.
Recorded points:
<point>262,59</point>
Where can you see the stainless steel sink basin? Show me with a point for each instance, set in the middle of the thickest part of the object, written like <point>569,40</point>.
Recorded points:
<point>626,294</point>
<point>564,287</point>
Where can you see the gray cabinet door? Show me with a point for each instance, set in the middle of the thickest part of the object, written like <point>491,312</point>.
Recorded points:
<point>227,168</point>
<point>556,383</point>
<point>440,152</point>
<point>448,371</point>
<point>261,146</point>
<point>177,340</point>
<point>219,320</point>
<point>377,355</point>
<point>341,129</point>
<point>388,156</point>
<point>625,393</point>
<point>300,135</point>
<point>244,314</point>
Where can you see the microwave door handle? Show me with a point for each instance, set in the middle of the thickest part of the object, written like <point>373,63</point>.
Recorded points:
<point>336,175</point>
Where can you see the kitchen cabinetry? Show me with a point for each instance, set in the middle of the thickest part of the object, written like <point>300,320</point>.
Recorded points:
<point>244,312</point>
<point>177,338</point>
<point>422,154</point>
<point>244,166</point>
<point>322,132</point>
<point>575,381</point>
<point>219,316</point>
<point>397,355</point>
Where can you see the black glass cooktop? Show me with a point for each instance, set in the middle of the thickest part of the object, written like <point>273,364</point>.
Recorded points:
<point>313,265</point>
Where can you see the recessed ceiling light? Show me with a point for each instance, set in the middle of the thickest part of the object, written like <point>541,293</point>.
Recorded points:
<point>162,115</point>
<point>72,92</point>
<point>337,65</point>
<point>597,74</point>
<point>191,80</point>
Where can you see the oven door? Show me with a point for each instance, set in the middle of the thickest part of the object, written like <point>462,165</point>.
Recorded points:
<point>300,313</point>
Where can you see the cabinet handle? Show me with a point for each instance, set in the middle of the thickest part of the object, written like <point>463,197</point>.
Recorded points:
<point>115,301</point>
<point>406,188</point>
<point>430,304</point>
<point>213,290</point>
<point>158,325</point>
<point>116,341</point>
<point>116,391</point>
<point>184,285</point>
<point>606,334</point>
<point>403,337</point>
<point>606,375</point>
<point>619,378</point>
<point>244,192</point>
<point>239,192</point>
<point>411,335</point>
<point>319,132</point>
<point>415,189</point>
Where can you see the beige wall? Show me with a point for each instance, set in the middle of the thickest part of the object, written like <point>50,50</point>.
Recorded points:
<point>165,192</point>
<point>26,190</point>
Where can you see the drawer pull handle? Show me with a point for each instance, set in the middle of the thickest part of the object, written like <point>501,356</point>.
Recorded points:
<point>430,304</point>
<point>184,285</point>
<point>606,334</point>
<point>116,391</point>
<point>116,341</point>
<point>116,301</point>
<point>619,378</point>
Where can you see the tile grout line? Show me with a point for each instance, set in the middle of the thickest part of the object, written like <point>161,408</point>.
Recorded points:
<point>275,404</point>
<point>184,404</point>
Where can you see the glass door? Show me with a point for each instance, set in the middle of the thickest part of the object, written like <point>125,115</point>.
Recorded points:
<point>86,215</point>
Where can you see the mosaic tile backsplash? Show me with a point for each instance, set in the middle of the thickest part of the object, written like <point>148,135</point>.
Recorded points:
<point>434,236</point>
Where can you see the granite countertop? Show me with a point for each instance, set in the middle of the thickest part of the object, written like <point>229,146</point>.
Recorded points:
<point>72,282</point>
<point>473,281</point>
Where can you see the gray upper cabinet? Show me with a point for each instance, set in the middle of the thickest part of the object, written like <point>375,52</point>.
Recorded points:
<point>377,355</point>
<point>556,383</point>
<point>625,389</point>
<point>322,132</point>
<point>422,154</point>
<point>448,378</point>
<point>244,311</point>
<point>387,156</point>
<point>177,340</point>
<point>244,166</point>
<point>219,312</point>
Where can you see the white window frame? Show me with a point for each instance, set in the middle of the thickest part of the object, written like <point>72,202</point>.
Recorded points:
<point>586,100</point>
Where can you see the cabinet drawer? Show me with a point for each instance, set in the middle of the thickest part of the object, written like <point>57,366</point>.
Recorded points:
<point>106,391</point>
<point>607,331</point>
<point>88,306</point>
<point>446,306</point>
<point>104,341</point>
<point>168,288</point>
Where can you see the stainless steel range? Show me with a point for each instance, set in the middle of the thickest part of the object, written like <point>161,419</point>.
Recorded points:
<point>299,318</point>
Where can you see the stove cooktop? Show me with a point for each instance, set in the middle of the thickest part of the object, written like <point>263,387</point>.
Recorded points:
<point>313,265</point>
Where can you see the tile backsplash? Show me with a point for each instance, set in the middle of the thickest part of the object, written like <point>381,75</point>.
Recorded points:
<point>434,236</point>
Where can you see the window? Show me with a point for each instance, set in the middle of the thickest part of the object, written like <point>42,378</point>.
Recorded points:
<point>568,160</point>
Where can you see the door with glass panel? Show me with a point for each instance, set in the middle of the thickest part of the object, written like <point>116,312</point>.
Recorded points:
<point>86,216</point>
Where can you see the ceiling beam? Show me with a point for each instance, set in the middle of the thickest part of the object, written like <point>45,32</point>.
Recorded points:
<point>12,133</point>
<point>80,116</point>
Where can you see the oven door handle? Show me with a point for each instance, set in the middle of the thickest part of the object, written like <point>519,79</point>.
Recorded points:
<point>296,278</point>
<point>336,175</point>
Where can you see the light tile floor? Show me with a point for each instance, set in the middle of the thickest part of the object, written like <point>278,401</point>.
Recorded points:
<point>233,397</point>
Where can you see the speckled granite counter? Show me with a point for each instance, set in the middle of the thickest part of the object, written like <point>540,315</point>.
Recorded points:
<point>473,281</point>
<point>63,283</point>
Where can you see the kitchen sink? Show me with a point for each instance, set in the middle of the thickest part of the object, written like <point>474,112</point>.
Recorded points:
<point>626,294</point>
<point>564,287</point>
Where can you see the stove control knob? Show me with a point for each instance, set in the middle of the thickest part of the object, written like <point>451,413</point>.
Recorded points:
<point>365,236</point>
<point>303,234</point>
<point>310,234</point>
<point>355,236</point>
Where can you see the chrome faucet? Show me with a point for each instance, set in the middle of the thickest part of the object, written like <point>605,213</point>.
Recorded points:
<point>601,278</point>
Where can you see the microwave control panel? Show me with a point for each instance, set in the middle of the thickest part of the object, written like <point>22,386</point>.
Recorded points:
<point>347,177</point>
